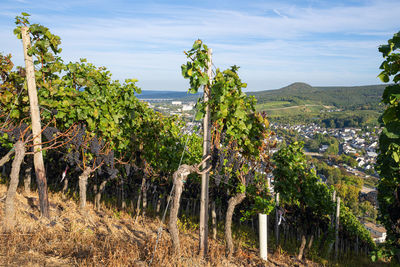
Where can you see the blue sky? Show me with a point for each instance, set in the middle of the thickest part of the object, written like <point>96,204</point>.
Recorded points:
<point>323,43</point>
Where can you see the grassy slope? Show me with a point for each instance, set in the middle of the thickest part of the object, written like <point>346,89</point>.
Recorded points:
<point>108,238</point>
<point>112,238</point>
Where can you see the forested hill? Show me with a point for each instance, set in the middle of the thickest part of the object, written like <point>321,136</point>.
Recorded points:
<point>346,97</point>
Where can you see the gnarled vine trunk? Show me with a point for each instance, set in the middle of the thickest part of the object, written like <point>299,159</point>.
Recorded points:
<point>194,211</point>
<point>309,245</point>
<point>302,246</point>
<point>99,191</point>
<point>173,215</point>
<point>144,204</point>
<point>6,158</point>
<point>158,207</point>
<point>82,187</point>
<point>123,200</point>
<point>9,220</point>
<point>232,203</point>
<point>27,178</point>
<point>214,220</point>
<point>179,178</point>
<point>140,197</point>
<point>65,185</point>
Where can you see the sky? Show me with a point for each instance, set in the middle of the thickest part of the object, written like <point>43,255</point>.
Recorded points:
<point>275,43</point>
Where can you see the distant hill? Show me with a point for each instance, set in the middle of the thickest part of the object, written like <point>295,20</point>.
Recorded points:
<point>330,106</point>
<point>347,97</point>
<point>333,106</point>
<point>296,87</point>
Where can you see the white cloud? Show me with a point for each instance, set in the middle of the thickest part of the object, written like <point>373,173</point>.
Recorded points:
<point>332,44</point>
<point>279,13</point>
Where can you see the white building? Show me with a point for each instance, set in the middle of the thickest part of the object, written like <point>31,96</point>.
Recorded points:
<point>187,107</point>
<point>374,145</point>
<point>176,103</point>
<point>378,233</point>
<point>347,138</point>
<point>323,148</point>
<point>360,161</point>
<point>360,140</point>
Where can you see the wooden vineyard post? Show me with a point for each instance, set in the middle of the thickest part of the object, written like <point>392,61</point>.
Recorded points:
<point>36,126</point>
<point>277,219</point>
<point>337,227</point>
<point>203,232</point>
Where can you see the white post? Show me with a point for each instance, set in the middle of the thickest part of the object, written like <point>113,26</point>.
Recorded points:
<point>333,215</point>
<point>262,223</point>
<point>337,227</point>
<point>277,219</point>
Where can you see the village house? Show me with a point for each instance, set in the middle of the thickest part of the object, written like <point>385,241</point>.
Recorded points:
<point>378,233</point>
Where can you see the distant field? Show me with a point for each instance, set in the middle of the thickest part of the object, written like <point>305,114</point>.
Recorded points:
<point>286,110</point>
<point>273,104</point>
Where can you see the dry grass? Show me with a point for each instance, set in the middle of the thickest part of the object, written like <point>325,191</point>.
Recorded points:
<point>105,238</point>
